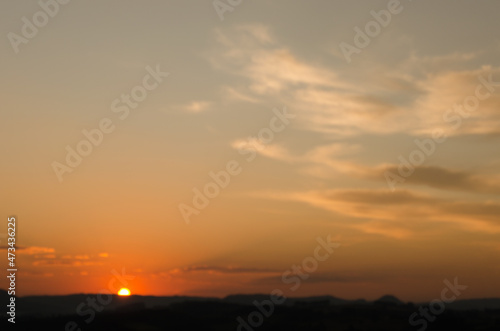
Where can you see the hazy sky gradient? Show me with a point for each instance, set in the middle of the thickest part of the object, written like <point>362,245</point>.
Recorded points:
<point>323,175</point>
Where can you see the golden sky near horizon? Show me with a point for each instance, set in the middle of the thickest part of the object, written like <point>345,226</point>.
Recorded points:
<point>202,156</point>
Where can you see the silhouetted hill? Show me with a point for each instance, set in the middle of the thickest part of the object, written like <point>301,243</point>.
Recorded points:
<point>389,299</point>
<point>67,304</point>
<point>248,299</point>
<point>477,304</point>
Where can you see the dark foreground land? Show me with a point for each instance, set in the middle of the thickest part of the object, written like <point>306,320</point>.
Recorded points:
<point>219,315</point>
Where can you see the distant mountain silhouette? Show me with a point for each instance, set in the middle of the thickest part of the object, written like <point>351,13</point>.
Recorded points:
<point>475,304</point>
<point>248,299</point>
<point>389,299</point>
<point>67,304</point>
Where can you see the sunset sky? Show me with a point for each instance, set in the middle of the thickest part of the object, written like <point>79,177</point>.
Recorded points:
<point>433,70</point>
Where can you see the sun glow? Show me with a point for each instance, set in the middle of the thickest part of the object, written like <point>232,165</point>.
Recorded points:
<point>124,292</point>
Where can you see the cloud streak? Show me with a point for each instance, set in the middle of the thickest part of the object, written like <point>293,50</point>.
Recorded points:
<point>393,213</point>
<point>386,103</point>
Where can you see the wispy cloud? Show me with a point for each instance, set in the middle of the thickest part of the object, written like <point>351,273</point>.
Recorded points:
<point>447,179</point>
<point>393,213</point>
<point>221,270</point>
<point>391,100</point>
<point>197,106</point>
<point>31,250</point>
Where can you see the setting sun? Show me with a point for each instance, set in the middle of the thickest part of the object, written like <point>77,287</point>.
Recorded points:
<point>124,292</point>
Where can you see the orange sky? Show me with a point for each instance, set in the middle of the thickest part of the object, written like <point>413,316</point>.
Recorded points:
<point>313,146</point>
